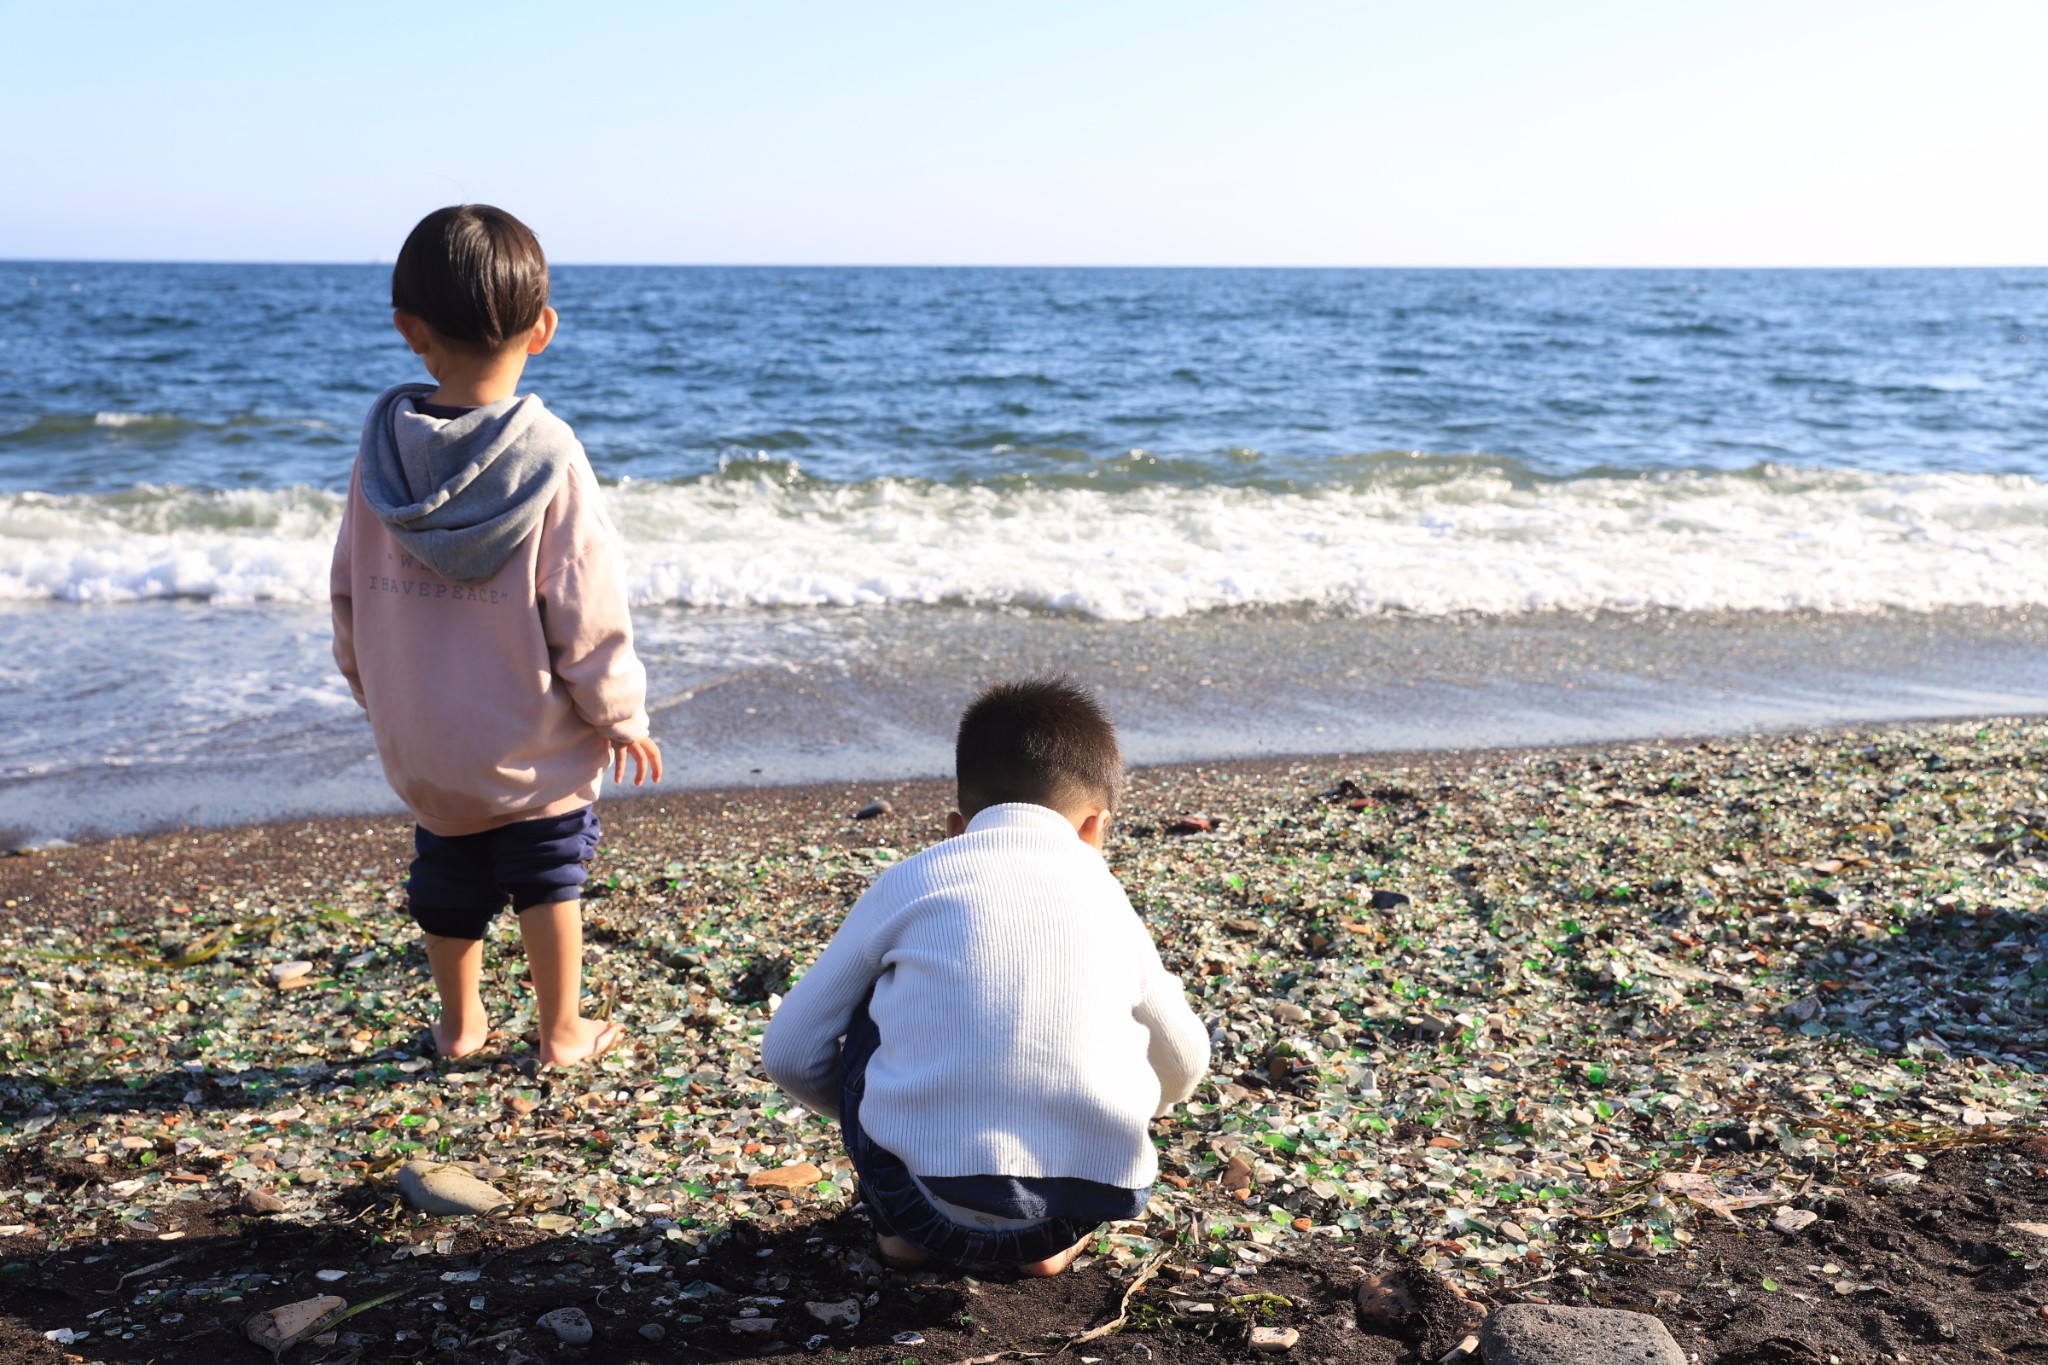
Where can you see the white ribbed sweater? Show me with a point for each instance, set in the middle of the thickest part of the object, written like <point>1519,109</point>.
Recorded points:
<point>1028,1027</point>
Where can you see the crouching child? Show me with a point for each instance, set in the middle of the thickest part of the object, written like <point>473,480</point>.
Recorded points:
<point>991,1025</point>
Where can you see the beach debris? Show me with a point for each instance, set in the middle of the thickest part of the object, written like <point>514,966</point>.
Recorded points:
<point>1272,1340</point>
<point>800,1176</point>
<point>1706,1191</point>
<point>1623,1015</point>
<point>1792,1222</point>
<point>1547,1334</point>
<point>571,1325</point>
<point>1189,824</point>
<point>752,1327</point>
<point>874,810</point>
<point>279,1329</point>
<point>908,1339</point>
<point>437,1188</point>
<point>330,1276</point>
<point>2031,1229</point>
<point>653,1331</point>
<point>838,1313</point>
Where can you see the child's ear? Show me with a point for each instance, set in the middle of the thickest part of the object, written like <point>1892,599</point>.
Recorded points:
<point>543,331</point>
<point>956,824</point>
<point>1094,829</point>
<point>413,328</point>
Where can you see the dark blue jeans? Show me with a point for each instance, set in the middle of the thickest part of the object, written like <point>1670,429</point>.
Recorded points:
<point>897,1206</point>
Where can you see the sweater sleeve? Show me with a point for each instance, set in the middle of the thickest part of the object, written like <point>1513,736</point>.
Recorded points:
<point>589,632</point>
<point>341,596</point>
<point>800,1050</point>
<point>1179,1048</point>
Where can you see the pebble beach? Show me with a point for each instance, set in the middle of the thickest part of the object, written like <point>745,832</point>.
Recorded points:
<point>1580,1027</point>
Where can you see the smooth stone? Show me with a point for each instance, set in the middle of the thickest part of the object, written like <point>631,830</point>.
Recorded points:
<point>1389,900</point>
<point>653,1331</point>
<point>1514,1232</point>
<point>1792,1222</point>
<point>571,1326</point>
<point>1546,1334</point>
<point>1287,1012</point>
<point>280,1327</point>
<point>874,810</point>
<point>1274,1340</point>
<point>755,1327</point>
<point>1237,1174</point>
<point>441,1189</point>
<point>262,1203</point>
<point>842,1313</point>
<point>1384,1301</point>
<point>2031,1229</point>
<point>285,971</point>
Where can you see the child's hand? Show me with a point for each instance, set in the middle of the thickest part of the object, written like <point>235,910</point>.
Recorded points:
<point>646,755</point>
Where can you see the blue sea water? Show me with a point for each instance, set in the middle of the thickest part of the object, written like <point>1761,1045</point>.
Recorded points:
<point>808,462</point>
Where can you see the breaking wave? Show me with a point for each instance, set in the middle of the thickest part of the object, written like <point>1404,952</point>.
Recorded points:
<point>1431,537</point>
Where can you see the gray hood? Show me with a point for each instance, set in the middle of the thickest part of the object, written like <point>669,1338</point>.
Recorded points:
<point>460,495</point>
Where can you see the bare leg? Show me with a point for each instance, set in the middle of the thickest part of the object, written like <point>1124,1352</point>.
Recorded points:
<point>899,1254</point>
<point>553,935</point>
<point>458,965</point>
<point>1053,1265</point>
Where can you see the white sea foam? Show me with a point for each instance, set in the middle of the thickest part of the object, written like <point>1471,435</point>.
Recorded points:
<point>1471,540</point>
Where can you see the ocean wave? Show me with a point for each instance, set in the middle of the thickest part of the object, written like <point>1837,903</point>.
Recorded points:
<point>1431,538</point>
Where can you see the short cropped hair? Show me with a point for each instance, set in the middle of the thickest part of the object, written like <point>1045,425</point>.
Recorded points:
<point>1045,741</point>
<point>473,273</point>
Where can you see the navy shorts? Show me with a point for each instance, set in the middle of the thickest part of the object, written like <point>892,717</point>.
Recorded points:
<point>459,884</point>
<point>896,1205</point>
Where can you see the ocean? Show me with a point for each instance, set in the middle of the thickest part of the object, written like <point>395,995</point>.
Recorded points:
<point>1268,511</point>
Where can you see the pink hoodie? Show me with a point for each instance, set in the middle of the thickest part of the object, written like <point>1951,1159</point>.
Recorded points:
<point>492,704</point>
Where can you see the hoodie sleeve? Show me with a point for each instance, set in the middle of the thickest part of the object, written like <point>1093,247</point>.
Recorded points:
<point>341,595</point>
<point>583,613</point>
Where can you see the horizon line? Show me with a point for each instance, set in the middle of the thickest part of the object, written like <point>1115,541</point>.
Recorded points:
<point>385,263</point>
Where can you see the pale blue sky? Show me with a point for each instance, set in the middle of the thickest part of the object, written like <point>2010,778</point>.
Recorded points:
<point>1577,132</point>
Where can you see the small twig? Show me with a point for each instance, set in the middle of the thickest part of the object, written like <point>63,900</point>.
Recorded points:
<point>1123,1314</point>
<point>168,1260</point>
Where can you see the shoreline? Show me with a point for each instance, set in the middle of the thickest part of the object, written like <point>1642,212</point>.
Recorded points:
<point>771,699</point>
<point>821,798</point>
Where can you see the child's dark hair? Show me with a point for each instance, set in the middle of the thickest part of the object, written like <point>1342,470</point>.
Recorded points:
<point>473,273</point>
<point>1045,741</point>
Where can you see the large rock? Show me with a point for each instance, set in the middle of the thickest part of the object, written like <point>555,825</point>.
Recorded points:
<point>434,1188</point>
<point>1545,1334</point>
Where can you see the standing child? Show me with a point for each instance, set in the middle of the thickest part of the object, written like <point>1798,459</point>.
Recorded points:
<point>480,618</point>
<point>1009,1032</point>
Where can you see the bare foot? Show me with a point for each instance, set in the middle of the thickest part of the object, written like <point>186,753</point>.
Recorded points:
<point>580,1040</point>
<point>451,1042</point>
<point>898,1254</point>
<point>1053,1265</point>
